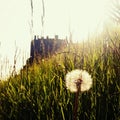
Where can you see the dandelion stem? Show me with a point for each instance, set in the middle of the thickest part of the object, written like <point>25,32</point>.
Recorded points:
<point>76,104</point>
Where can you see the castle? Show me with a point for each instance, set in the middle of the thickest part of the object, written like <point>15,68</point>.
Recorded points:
<point>44,47</point>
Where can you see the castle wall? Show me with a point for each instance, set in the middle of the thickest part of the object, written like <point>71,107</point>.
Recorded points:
<point>41,48</point>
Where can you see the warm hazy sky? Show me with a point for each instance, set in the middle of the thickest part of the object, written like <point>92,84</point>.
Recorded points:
<point>79,17</point>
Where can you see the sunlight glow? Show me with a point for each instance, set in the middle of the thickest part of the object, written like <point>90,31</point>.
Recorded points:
<point>81,18</point>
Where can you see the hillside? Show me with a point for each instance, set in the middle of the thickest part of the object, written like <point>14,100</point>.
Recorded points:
<point>39,91</point>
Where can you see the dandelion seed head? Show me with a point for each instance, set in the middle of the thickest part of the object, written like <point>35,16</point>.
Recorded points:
<point>78,77</point>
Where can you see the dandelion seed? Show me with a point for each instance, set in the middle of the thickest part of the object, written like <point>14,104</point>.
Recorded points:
<point>77,78</point>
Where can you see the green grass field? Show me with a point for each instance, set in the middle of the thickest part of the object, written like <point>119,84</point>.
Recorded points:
<point>39,93</point>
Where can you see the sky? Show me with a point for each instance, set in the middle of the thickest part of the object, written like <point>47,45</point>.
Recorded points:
<point>62,17</point>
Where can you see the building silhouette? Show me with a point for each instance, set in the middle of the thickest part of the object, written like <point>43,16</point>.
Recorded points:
<point>44,47</point>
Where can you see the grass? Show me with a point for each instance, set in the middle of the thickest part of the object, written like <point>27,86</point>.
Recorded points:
<point>38,92</point>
